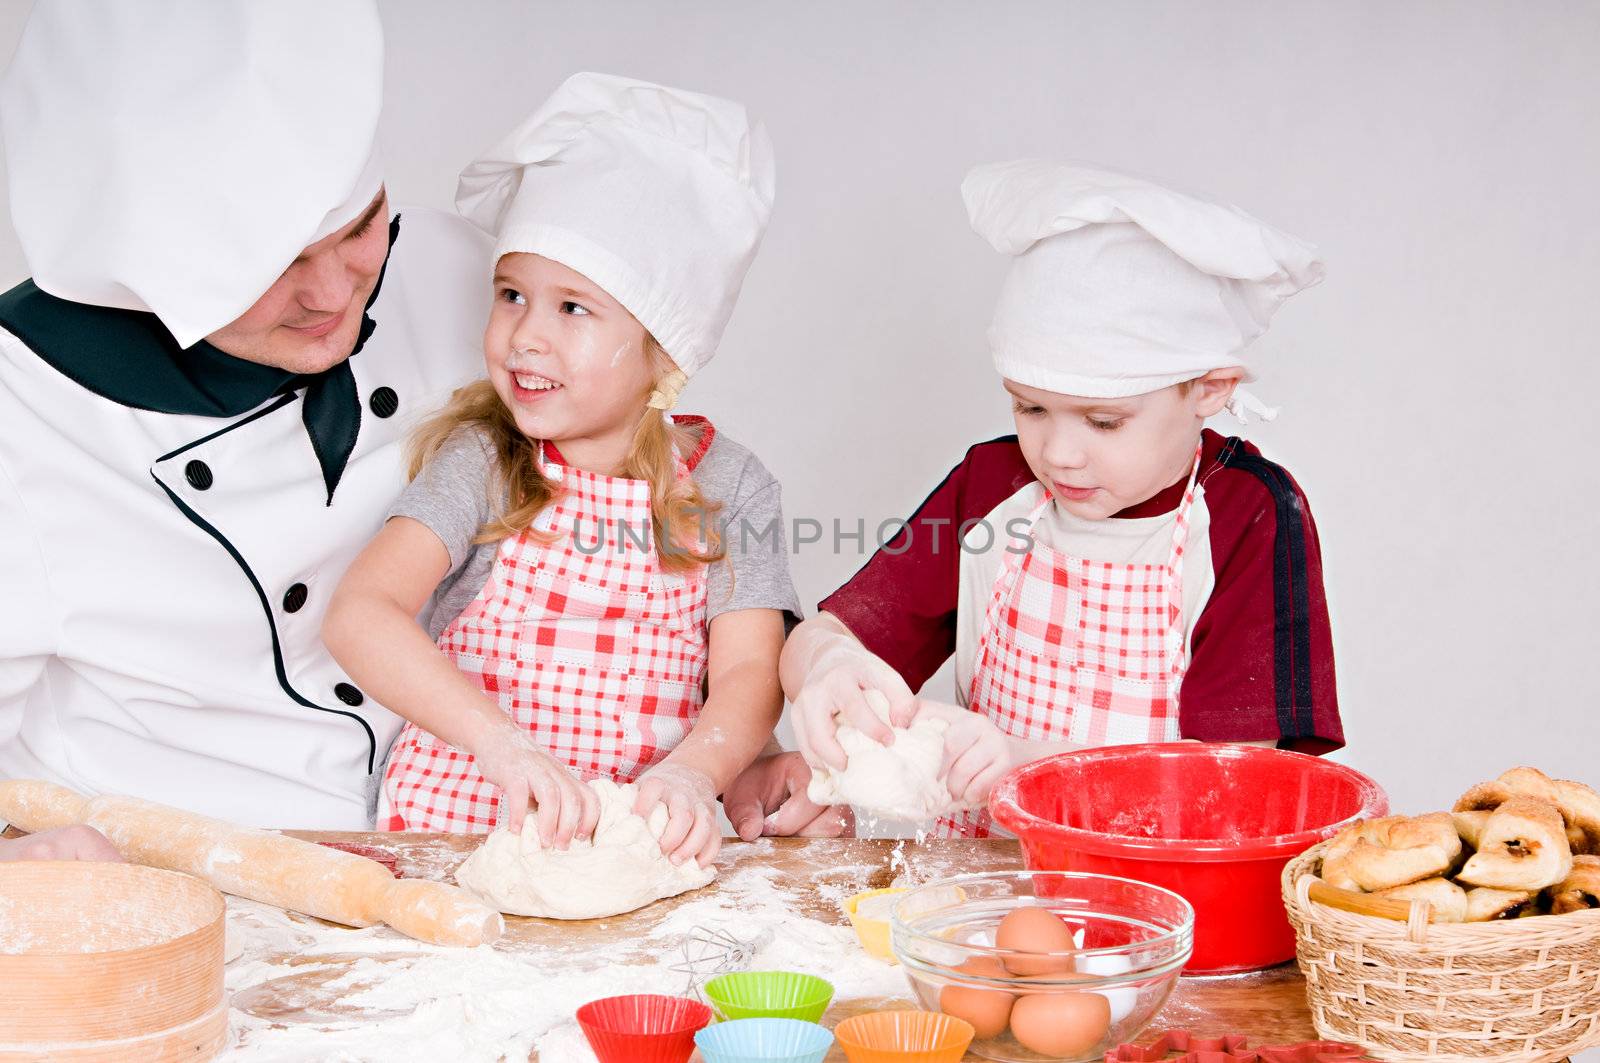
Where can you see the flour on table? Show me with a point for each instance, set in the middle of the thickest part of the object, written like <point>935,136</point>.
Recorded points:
<point>412,1001</point>
<point>901,781</point>
<point>620,869</point>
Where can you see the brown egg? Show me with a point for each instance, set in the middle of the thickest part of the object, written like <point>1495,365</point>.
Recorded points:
<point>1035,930</point>
<point>987,1009</point>
<point>1061,1024</point>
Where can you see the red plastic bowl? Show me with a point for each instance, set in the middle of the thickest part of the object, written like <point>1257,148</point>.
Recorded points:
<point>1214,823</point>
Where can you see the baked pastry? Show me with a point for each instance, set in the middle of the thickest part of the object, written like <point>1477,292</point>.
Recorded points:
<point>1393,851</point>
<point>1469,825</point>
<point>1515,782</point>
<point>1580,890</point>
<point>1486,903</point>
<point>1580,807</point>
<point>1447,901</point>
<point>1522,846</point>
<point>1578,804</point>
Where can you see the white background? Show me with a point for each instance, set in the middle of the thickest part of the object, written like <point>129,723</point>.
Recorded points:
<point>1438,390</point>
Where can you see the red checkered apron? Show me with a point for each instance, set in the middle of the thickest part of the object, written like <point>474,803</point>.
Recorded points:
<point>598,652</point>
<point>1089,652</point>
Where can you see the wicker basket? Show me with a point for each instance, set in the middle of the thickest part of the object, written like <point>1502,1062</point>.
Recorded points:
<point>1523,989</point>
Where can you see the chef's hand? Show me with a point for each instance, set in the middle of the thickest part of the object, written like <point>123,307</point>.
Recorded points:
<point>769,798</point>
<point>508,758</point>
<point>690,798</point>
<point>835,693</point>
<point>976,752</point>
<point>64,843</point>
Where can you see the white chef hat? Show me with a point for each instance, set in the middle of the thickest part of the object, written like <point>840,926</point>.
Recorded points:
<point>658,195</point>
<point>177,155</point>
<point>1120,286</point>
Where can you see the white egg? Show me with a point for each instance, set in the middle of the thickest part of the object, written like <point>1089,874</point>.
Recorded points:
<point>1122,1001</point>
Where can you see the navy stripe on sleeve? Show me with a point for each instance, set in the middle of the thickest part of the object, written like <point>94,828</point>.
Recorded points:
<point>1292,620</point>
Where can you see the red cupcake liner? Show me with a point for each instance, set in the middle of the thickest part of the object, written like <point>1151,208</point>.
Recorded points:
<point>643,1027</point>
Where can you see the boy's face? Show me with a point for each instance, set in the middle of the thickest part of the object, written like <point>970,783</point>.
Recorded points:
<point>568,360</point>
<point>1100,456</point>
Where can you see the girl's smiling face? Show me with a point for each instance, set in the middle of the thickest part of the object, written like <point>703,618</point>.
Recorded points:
<point>567,359</point>
<point>1097,457</point>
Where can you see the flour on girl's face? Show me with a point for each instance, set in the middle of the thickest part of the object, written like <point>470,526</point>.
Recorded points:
<point>579,353</point>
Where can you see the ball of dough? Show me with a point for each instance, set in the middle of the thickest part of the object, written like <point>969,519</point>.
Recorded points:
<point>619,869</point>
<point>901,781</point>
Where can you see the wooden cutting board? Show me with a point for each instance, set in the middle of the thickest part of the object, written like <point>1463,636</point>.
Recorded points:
<point>1267,1007</point>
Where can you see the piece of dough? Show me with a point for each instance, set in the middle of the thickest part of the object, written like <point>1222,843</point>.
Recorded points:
<point>899,781</point>
<point>618,870</point>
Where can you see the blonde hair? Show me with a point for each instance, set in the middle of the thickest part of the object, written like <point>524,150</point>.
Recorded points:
<point>680,517</point>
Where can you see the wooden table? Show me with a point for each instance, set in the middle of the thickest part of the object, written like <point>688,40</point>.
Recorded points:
<point>1266,1007</point>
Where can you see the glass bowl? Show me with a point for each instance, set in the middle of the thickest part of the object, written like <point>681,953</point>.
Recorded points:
<point>1132,940</point>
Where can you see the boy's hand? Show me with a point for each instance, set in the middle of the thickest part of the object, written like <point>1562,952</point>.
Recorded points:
<point>769,798</point>
<point>77,842</point>
<point>836,693</point>
<point>691,801</point>
<point>976,752</point>
<point>508,758</point>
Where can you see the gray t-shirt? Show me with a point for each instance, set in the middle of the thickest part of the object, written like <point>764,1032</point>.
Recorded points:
<point>451,496</point>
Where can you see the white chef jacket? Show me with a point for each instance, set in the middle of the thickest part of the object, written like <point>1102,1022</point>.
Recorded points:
<point>165,576</point>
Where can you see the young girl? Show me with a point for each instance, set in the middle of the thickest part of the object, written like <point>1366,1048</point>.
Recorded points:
<point>588,618</point>
<point>1114,572</point>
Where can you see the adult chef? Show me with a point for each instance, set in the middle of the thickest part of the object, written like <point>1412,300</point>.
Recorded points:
<point>204,389</point>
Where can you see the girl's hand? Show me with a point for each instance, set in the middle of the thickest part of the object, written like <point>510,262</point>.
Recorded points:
<point>976,752</point>
<point>565,807</point>
<point>691,801</point>
<point>836,693</point>
<point>64,843</point>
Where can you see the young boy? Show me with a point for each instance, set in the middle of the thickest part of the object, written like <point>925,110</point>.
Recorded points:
<point>1114,572</point>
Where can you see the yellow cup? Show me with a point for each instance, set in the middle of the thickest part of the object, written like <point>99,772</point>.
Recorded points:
<point>873,933</point>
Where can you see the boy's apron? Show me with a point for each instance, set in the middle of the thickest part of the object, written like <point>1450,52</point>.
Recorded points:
<point>1074,650</point>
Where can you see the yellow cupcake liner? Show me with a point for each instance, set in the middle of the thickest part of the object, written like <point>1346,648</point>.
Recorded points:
<point>872,933</point>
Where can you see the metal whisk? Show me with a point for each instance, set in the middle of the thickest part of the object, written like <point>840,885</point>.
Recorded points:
<point>708,951</point>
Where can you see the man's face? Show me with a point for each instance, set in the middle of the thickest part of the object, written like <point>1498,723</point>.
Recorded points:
<point>309,319</point>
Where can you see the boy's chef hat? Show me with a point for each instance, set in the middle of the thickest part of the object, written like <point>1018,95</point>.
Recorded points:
<point>658,195</point>
<point>177,155</point>
<point>1121,287</point>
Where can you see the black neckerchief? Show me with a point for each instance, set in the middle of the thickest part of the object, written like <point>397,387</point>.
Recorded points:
<point>129,357</point>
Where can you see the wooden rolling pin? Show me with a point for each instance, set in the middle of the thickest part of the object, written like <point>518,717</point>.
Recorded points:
<point>260,865</point>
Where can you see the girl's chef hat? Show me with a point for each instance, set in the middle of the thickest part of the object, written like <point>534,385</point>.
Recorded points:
<point>1121,287</point>
<point>177,155</point>
<point>659,196</point>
